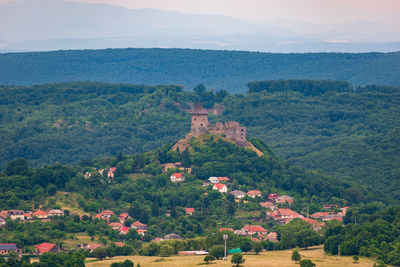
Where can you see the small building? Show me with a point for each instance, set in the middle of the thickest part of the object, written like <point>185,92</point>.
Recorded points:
<point>254,193</point>
<point>40,214</point>
<point>139,226</point>
<point>220,187</point>
<point>189,211</point>
<point>177,177</point>
<point>272,237</point>
<point>110,173</point>
<point>254,229</point>
<point>16,214</point>
<point>238,194</point>
<point>273,196</point>
<point>56,212</point>
<point>213,180</point>
<point>93,246</point>
<point>105,214</point>
<point>28,216</point>
<point>284,199</point>
<point>172,236</point>
<point>7,248</point>
<point>46,247</point>
<point>124,230</point>
<point>267,205</point>
<point>115,225</point>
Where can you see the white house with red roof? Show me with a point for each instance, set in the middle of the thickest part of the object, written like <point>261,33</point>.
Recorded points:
<point>254,193</point>
<point>272,196</point>
<point>177,177</point>
<point>40,214</point>
<point>116,225</point>
<point>189,211</point>
<point>284,215</point>
<point>220,187</point>
<point>110,173</point>
<point>267,205</point>
<point>139,226</point>
<point>254,229</point>
<point>123,217</point>
<point>124,230</point>
<point>284,199</point>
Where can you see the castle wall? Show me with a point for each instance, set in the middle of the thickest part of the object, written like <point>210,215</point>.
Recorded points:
<point>199,124</point>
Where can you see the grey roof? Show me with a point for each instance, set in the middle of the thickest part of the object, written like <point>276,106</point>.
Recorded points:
<point>8,247</point>
<point>172,236</point>
<point>238,192</point>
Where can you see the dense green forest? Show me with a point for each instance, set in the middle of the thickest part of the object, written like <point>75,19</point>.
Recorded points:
<point>222,70</point>
<point>352,134</point>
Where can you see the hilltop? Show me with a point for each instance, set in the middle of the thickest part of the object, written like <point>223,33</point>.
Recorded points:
<point>221,70</point>
<point>345,133</point>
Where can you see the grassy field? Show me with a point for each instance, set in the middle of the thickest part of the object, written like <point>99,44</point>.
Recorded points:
<point>270,258</point>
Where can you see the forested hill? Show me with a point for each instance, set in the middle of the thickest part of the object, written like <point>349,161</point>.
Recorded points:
<point>352,134</point>
<point>227,70</point>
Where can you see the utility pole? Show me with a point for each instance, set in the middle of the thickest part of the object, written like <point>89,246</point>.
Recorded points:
<point>225,238</point>
<point>338,252</point>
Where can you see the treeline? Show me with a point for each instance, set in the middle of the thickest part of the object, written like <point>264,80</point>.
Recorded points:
<point>371,231</point>
<point>306,87</point>
<point>228,70</point>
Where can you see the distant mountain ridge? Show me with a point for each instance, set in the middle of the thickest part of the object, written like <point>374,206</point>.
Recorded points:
<point>228,70</point>
<point>77,25</point>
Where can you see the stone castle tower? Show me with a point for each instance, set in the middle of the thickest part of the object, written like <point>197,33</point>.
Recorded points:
<point>199,120</point>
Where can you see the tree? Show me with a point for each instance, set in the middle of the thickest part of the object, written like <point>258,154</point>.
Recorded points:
<point>257,247</point>
<point>217,251</point>
<point>355,258</point>
<point>166,251</point>
<point>237,258</point>
<point>306,263</point>
<point>17,167</point>
<point>296,255</point>
<point>209,258</point>
<point>186,161</point>
<point>100,253</point>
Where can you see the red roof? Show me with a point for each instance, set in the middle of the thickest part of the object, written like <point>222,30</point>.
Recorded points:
<point>320,214</point>
<point>137,223</point>
<point>39,213</point>
<point>113,169</point>
<point>310,221</point>
<point>107,212</point>
<point>124,229</point>
<point>286,213</point>
<point>45,247</point>
<point>119,244</point>
<point>123,216</point>
<point>266,204</point>
<point>254,193</point>
<point>273,196</point>
<point>177,175</point>
<point>115,224</point>
<point>223,179</point>
<point>219,186</point>
<point>189,210</point>
<point>254,228</point>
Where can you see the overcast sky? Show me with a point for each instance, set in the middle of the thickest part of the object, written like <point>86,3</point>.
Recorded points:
<point>315,11</point>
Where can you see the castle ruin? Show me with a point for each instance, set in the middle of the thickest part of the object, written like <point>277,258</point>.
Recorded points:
<point>200,125</point>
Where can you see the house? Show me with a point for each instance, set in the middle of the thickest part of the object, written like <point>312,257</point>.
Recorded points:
<point>329,217</point>
<point>157,239</point>
<point>273,196</point>
<point>7,248</point>
<point>267,205</point>
<point>189,211</point>
<point>28,216</point>
<point>254,229</point>
<point>139,226</point>
<point>223,179</point>
<point>141,231</point>
<point>330,206</point>
<point>46,247</point>
<point>115,225</point>
<point>16,214</point>
<point>123,217</point>
<point>284,215</point>
<point>40,214</point>
<point>2,222</point>
<point>56,213</point>
<point>93,246</point>
<point>238,194</point>
<point>105,214</point>
<point>241,232</point>
<point>272,237</point>
<point>110,173</point>
<point>213,180</point>
<point>226,229</point>
<point>344,210</point>
<point>124,230</point>
<point>177,177</point>
<point>284,199</point>
<point>172,236</point>
<point>254,193</point>
<point>220,187</point>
